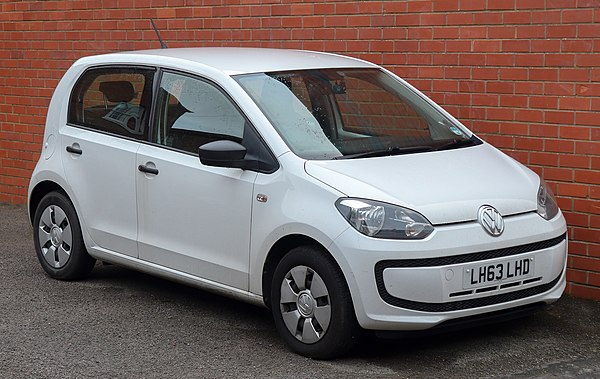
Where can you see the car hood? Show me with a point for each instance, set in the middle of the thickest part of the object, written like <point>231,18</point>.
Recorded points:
<point>445,186</point>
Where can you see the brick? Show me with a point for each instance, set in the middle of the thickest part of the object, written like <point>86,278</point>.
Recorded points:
<point>587,118</point>
<point>519,17</point>
<point>516,46</point>
<point>500,114</point>
<point>588,89</point>
<point>563,175</point>
<point>501,5</point>
<point>560,60</point>
<point>575,161</point>
<point>501,59</point>
<point>523,143</point>
<point>472,32</point>
<point>577,247</point>
<point>587,176</point>
<point>487,45</point>
<point>587,60</point>
<point>586,206</point>
<point>588,235</point>
<point>530,88</point>
<point>500,87</point>
<point>562,89</point>
<point>577,276</point>
<point>546,102</point>
<point>594,279</point>
<point>543,74</point>
<point>573,190</point>
<point>541,158</point>
<point>473,5</point>
<point>445,5</point>
<point>588,31</point>
<point>531,31</point>
<point>574,132</point>
<point>577,46</point>
<point>485,99</point>
<point>459,18</point>
<point>472,60</point>
<point>594,250</point>
<point>585,292</point>
<point>559,117</point>
<point>559,146</point>
<point>513,73</point>
<point>574,75</point>
<point>528,115</point>
<point>574,103</point>
<point>487,18</point>
<point>546,17</point>
<point>419,6</point>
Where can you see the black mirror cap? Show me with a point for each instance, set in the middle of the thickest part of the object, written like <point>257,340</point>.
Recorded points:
<point>223,153</point>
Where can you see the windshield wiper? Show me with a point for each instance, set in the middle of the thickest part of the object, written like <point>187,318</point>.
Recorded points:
<point>455,144</point>
<point>386,152</point>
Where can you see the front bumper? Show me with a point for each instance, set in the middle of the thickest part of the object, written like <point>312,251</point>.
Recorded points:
<point>413,285</point>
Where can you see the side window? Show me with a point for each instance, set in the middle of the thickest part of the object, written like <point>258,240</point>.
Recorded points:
<point>192,112</point>
<point>113,100</point>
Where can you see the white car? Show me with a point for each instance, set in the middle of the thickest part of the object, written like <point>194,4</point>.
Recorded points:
<point>322,186</point>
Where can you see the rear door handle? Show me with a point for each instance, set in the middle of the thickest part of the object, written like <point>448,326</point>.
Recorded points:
<point>148,170</point>
<point>74,149</point>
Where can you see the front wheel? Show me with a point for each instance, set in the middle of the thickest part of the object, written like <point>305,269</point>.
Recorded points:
<point>57,238</point>
<point>312,306</point>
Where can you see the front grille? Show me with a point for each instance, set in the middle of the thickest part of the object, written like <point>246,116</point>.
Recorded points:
<point>470,257</point>
<point>464,258</point>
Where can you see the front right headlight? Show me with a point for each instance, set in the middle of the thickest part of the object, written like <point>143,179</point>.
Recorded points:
<point>546,203</point>
<point>382,220</point>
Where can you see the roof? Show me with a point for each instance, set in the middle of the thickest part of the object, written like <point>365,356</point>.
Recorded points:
<point>240,60</point>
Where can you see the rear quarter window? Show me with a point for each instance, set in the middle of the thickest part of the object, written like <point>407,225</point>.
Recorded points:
<point>113,100</point>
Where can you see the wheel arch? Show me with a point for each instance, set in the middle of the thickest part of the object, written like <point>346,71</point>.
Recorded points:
<point>38,192</point>
<point>279,250</point>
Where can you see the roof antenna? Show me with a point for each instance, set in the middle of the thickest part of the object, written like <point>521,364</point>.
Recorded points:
<point>163,45</point>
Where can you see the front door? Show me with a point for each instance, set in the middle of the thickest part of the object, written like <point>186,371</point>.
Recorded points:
<point>194,218</point>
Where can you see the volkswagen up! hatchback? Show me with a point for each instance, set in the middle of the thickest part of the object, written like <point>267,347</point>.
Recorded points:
<point>322,186</point>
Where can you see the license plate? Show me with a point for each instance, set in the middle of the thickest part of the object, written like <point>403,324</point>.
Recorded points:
<point>498,272</point>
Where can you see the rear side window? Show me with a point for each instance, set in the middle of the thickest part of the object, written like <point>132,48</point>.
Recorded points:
<point>113,100</point>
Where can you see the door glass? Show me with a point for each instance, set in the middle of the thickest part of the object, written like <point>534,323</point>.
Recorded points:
<point>192,112</point>
<point>113,100</point>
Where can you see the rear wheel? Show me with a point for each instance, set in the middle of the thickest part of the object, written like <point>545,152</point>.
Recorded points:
<point>57,238</point>
<point>312,306</point>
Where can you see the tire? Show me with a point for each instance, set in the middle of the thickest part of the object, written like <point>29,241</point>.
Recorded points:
<point>57,239</point>
<point>312,306</point>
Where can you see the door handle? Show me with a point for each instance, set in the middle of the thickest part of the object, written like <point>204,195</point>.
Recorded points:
<point>148,170</point>
<point>74,150</point>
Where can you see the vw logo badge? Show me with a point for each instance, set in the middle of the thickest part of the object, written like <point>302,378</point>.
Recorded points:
<point>491,220</point>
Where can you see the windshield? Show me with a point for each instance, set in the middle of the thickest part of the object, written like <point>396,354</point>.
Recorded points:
<point>350,113</point>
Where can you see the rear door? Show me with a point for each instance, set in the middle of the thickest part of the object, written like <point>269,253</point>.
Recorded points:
<point>108,116</point>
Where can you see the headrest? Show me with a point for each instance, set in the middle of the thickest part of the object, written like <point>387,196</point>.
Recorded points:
<point>118,91</point>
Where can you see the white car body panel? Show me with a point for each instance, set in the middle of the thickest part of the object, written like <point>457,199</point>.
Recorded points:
<point>105,187</point>
<point>216,201</point>
<point>447,186</point>
<point>127,219</point>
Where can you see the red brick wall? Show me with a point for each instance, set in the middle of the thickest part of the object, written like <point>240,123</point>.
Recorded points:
<point>523,74</point>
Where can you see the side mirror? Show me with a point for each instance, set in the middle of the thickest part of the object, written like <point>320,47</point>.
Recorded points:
<point>223,153</point>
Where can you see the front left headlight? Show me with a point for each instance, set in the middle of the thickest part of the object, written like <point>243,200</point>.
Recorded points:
<point>382,220</point>
<point>546,203</point>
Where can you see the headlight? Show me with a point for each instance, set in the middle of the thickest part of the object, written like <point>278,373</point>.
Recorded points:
<point>546,203</point>
<point>381,220</point>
